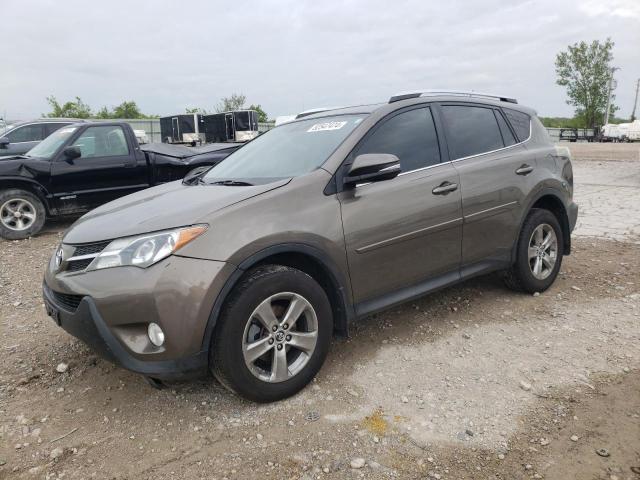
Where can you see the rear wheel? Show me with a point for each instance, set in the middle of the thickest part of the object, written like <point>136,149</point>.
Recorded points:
<point>538,255</point>
<point>22,214</point>
<point>273,334</point>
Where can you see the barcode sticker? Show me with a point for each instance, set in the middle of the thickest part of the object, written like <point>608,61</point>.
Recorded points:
<point>326,126</point>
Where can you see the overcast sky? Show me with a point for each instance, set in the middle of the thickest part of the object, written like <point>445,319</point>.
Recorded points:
<point>292,55</point>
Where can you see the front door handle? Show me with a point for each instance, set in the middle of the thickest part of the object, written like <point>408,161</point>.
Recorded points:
<point>444,188</point>
<point>524,169</point>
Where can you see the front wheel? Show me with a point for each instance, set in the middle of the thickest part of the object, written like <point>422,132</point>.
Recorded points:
<point>273,334</point>
<point>538,253</point>
<point>22,214</point>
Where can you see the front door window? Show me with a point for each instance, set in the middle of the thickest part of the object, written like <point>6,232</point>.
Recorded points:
<point>107,141</point>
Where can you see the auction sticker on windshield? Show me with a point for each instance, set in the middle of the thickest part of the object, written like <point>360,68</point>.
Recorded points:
<point>326,126</point>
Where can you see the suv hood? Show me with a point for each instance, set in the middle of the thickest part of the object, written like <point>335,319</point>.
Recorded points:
<point>11,157</point>
<point>166,206</point>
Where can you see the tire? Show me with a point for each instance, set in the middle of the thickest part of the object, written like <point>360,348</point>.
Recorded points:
<point>30,208</point>
<point>273,288</point>
<point>521,276</point>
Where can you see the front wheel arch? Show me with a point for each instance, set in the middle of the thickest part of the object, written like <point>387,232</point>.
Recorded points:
<point>30,186</point>
<point>303,257</point>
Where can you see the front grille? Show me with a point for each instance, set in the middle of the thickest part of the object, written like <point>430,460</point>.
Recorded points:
<point>89,248</point>
<point>77,265</point>
<point>92,249</point>
<point>67,301</point>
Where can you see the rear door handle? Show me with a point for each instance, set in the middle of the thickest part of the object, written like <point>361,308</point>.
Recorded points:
<point>524,170</point>
<point>444,188</point>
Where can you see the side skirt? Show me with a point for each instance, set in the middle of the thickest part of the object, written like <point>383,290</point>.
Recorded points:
<point>427,286</point>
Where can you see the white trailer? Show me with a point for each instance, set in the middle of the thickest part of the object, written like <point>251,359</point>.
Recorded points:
<point>621,132</point>
<point>633,131</point>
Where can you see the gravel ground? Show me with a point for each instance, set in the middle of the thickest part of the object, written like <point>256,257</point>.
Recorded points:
<point>472,382</point>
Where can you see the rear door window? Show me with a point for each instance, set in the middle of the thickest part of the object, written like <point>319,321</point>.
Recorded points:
<point>410,135</point>
<point>471,130</point>
<point>27,133</point>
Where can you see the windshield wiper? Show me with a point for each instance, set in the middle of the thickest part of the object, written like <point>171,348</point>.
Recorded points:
<point>232,183</point>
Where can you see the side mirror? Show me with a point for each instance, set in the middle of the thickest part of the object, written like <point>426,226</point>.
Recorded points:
<point>372,167</point>
<point>4,142</point>
<point>72,152</point>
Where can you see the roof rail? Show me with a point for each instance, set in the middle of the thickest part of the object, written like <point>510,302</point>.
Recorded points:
<point>311,111</point>
<point>457,93</point>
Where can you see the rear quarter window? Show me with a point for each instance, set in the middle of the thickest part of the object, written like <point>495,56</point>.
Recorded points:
<point>521,123</point>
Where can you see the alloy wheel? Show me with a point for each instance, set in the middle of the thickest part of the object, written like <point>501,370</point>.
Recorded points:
<point>543,251</point>
<point>17,214</point>
<point>280,337</point>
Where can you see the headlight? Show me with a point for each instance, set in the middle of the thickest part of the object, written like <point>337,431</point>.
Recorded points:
<point>145,250</point>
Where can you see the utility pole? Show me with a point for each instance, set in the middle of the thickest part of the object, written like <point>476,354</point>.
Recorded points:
<point>606,115</point>
<point>635,101</point>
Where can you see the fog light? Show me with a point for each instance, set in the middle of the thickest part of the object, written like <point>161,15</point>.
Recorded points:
<point>156,335</point>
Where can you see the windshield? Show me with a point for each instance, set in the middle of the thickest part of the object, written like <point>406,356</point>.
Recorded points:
<point>50,145</point>
<point>287,151</point>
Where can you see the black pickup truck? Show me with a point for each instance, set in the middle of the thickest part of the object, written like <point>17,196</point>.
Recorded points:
<point>83,165</point>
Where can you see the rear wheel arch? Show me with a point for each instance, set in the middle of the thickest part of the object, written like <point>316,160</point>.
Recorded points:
<point>548,199</point>
<point>305,258</point>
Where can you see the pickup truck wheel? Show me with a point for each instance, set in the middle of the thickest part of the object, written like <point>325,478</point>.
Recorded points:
<point>22,214</point>
<point>273,334</point>
<point>538,255</point>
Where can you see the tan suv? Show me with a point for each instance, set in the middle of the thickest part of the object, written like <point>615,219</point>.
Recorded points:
<point>248,270</point>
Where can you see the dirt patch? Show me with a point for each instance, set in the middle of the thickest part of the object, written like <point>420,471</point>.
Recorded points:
<point>440,375</point>
<point>608,194</point>
<point>581,433</point>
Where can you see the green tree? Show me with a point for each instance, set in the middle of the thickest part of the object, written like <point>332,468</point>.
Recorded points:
<point>575,122</point>
<point>196,110</point>
<point>127,109</point>
<point>561,122</point>
<point>104,113</point>
<point>234,102</point>
<point>77,109</point>
<point>262,115</point>
<point>584,69</point>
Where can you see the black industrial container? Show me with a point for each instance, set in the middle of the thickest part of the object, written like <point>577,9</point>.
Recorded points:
<point>185,128</point>
<point>236,126</point>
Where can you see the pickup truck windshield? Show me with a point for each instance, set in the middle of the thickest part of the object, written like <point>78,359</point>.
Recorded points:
<point>289,150</point>
<point>50,145</point>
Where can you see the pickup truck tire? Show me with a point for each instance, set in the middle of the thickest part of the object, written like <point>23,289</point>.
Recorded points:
<point>273,334</point>
<point>22,214</point>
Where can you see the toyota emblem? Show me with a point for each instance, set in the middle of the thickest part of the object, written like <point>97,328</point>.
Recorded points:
<point>59,257</point>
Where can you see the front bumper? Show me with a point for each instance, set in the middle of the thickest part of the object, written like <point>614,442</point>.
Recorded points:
<point>110,310</point>
<point>87,324</point>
